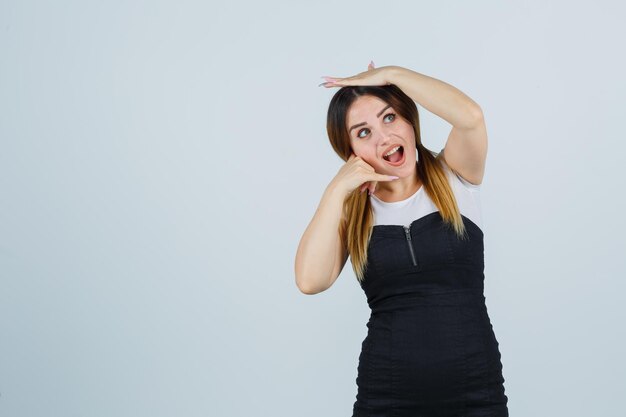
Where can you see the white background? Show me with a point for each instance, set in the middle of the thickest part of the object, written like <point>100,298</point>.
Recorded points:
<point>160,160</point>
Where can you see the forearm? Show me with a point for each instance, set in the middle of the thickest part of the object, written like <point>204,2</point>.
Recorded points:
<point>315,257</point>
<point>436,96</point>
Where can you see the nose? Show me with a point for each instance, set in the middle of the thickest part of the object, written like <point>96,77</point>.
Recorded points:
<point>384,137</point>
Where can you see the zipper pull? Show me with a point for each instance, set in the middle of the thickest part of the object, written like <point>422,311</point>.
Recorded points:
<point>407,231</point>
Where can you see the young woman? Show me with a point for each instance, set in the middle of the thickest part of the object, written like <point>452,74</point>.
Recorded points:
<point>415,243</point>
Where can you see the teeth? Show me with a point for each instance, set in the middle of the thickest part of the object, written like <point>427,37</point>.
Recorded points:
<point>392,151</point>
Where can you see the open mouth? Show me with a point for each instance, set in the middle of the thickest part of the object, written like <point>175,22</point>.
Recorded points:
<point>396,158</point>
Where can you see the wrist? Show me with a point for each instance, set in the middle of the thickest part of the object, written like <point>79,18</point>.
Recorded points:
<point>392,73</point>
<point>334,191</point>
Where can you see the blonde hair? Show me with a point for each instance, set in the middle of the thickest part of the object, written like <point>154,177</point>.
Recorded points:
<point>355,228</point>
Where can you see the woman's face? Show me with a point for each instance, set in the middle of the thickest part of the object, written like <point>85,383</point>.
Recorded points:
<point>378,131</point>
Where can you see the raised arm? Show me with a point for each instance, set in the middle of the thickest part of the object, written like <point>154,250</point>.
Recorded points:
<point>321,255</point>
<point>466,147</point>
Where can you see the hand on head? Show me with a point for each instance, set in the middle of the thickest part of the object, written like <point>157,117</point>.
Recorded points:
<point>373,76</point>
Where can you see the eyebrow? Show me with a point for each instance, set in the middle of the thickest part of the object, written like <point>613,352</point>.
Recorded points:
<point>364,123</point>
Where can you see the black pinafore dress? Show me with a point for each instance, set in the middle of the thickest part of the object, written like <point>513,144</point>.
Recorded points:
<point>430,348</point>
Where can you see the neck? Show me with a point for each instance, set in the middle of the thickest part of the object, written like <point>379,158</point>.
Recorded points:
<point>398,190</point>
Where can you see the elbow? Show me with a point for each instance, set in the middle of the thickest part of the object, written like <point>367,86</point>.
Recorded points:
<point>306,288</point>
<point>307,291</point>
<point>476,114</point>
<point>471,118</point>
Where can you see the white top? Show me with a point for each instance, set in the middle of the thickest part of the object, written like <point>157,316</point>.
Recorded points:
<point>404,212</point>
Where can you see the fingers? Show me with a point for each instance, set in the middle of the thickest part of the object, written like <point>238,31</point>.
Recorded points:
<point>345,81</point>
<point>372,187</point>
<point>330,81</point>
<point>341,82</point>
<point>329,84</point>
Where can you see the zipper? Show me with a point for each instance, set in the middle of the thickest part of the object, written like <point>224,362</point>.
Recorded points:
<point>407,231</point>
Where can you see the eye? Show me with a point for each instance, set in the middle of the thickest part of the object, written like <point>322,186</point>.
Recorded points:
<point>388,114</point>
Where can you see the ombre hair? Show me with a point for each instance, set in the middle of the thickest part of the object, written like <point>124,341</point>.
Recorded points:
<point>355,227</point>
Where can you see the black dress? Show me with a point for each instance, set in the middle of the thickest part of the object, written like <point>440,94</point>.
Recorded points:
<point>430,348</point>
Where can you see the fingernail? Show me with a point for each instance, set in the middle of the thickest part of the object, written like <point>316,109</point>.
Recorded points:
<point>393,177</point>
